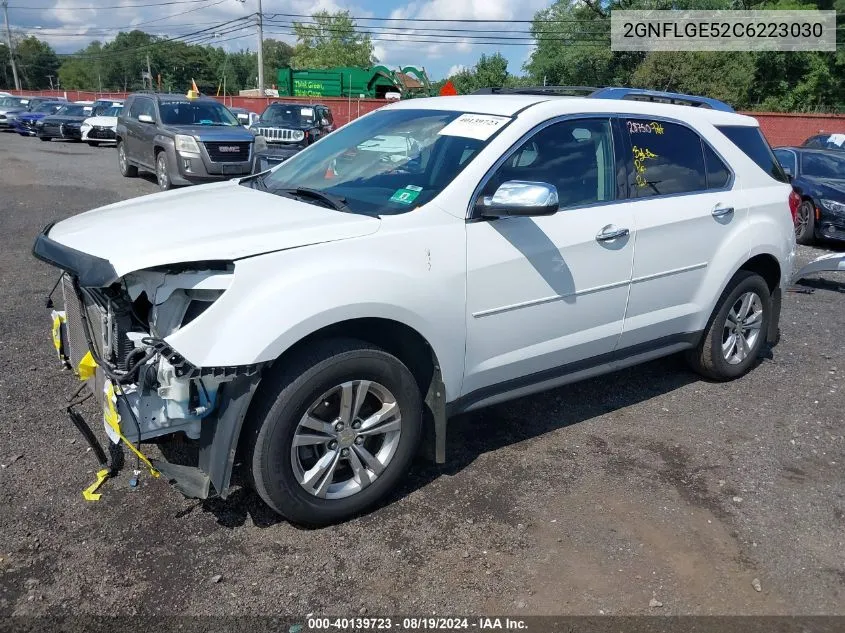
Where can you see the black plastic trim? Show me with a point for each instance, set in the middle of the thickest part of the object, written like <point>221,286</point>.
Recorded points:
<point>91,271</point>
<point>690,339</point>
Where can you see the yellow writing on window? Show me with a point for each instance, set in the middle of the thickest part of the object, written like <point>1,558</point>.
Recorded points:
<point>641,155</point>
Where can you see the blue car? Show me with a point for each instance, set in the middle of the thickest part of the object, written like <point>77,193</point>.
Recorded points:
<point>25,122</point>
<point>818,176</point>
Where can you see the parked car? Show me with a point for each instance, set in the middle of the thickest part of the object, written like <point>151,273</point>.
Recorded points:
<point>818,176</point>
<point>245,117</point>
<point>64,124</point>
<point>21,105</point>
<point>10,106</point>
<point>304,323</point>
<point>290,128</point>
<point>183,140</point>
<point>835,142</point>
<point>100,129</point>
<point>24,122</point>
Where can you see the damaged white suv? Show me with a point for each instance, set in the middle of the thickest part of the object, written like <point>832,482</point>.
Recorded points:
<point>317,322</point>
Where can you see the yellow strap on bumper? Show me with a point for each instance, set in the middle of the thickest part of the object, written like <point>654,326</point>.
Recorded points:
<point>90,493</point>
<point>112,418</point>
<point>87,367</point>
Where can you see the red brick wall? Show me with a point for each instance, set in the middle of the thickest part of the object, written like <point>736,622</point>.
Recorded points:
<point>779,128</point>
<point>793,129</point>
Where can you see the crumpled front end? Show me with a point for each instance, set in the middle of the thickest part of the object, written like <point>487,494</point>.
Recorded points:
<point>111,333</point>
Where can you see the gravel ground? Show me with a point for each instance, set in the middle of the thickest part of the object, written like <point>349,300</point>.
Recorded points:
<point>643,488</point>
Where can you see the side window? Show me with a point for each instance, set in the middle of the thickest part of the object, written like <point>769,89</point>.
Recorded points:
<point>148,108</point>
<point>786,159</point>
<point>575,156</point>
<point>753,144</point>
<point>718,173</point>
<point>135,109</point>
<point>667,158</point>
<point>815,142</point>
<point>328,115</point>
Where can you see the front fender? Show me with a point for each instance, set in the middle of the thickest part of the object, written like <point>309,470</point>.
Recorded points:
<point>278,299</point>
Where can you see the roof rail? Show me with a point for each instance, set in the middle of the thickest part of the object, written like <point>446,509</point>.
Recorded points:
<point>539,90</point>
<point>638,94</point>
<point>629,94</point>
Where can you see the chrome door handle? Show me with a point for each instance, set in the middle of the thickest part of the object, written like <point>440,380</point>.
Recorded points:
<point>720,212</point>
<point>606,235</point>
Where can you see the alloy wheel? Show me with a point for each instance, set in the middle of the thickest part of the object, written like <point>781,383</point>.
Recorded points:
<point>346,439</point>
<point>802,219</point>
<point>742,328</point>
<point>161,172</point>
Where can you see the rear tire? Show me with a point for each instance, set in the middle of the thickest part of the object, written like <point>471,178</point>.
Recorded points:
<point>93,143</point>
<point>805,224</point>
<point>45,138</point>
<point>126,170</point>
<point>343,461</point>
<point>736,331</point>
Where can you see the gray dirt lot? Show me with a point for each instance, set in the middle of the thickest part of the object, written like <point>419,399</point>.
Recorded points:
<point>592,498</point>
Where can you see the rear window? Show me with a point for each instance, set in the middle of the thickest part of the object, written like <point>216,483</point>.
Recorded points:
<point>751,141</point>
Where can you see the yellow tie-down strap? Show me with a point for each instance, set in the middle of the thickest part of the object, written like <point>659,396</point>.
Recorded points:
<point>59,319</point>
<point>90,493</point>
<point>112,418</point>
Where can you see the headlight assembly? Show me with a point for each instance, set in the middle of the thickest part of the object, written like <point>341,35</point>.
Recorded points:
<point>186,144</point>
<point>833,205</point>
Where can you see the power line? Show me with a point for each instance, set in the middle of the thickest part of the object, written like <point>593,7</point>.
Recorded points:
<point>116,6</point>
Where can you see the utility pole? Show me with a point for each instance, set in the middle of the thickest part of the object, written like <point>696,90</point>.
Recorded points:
<point>150,73</point>
<point>260,50</point>
<point>260,24</point>
<point>12,48</point>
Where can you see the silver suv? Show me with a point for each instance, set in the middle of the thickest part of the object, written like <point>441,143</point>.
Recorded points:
<point>182,140</point>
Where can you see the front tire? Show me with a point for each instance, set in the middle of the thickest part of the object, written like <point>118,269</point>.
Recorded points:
<point>805,224</point>
<point>93,143</point>
<point>334,433</point>
<point>163,172</point>
<point>737,330</point>
<point>45,138</point>
<point>126,170</point>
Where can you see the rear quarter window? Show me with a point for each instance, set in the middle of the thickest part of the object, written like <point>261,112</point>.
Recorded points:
<point>753,144</point>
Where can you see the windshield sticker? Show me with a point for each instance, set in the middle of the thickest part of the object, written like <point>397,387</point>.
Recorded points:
<point>306,112</point>
<point>837,139</point>
<point>406,195</point>
<point>477,126</point>
<point>24,101</point>
<point>635,127</point>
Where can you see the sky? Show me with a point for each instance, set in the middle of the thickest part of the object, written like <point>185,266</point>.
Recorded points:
<point>69,25</point>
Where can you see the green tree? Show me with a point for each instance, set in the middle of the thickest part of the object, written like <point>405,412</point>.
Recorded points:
<point>37,62</point>
<point>276,55</point>
<point>331,40</point>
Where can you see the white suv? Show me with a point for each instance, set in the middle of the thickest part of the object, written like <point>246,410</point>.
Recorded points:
<point>317,321</point>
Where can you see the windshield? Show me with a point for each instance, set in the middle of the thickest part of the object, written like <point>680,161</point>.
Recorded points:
<point>13,102</point>
<point>72,110</point>
<point>823,166</point>
<point>196,113</point>
<point>113,111</point>
<point>47,107</point>
<point>389,162</point>
<point>281,114</point>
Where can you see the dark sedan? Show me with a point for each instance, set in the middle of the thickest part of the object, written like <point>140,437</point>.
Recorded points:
<point>64,124</point>
<point>819,178</point>
<point>835,142</point>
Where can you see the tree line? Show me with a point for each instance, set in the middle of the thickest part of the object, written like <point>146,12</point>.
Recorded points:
<point>572,48</point>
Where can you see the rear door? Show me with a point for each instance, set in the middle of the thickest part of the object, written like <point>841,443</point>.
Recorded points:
<point>686,206</point>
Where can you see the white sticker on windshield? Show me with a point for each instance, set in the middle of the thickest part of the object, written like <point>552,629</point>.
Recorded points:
<point>837,139</point>
<point>307,112</point>
<point>477,126</point>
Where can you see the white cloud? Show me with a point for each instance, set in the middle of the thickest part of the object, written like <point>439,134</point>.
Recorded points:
<point>457,68</point>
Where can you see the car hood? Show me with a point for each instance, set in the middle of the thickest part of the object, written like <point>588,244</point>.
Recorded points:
<point>219,221</point>
<point>105,121</point>
<point>31,116</point>
<point>235,133</point>
<point>63,119</point>
<point>285,126</point>
<point>830,186</point>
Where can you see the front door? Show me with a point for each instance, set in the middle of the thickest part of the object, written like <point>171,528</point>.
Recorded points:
<point>546,292</point>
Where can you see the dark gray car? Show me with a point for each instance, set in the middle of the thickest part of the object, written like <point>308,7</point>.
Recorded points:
<point>183,140</point>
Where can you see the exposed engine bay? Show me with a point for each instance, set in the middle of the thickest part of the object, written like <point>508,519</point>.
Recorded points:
<point>114,338</point>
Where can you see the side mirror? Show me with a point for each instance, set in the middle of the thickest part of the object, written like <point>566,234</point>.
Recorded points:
<point>519,198</point>
<point>145,118</point>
